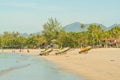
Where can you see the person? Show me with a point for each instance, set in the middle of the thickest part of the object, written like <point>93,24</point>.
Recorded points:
<point>20,50</point>
<point>28,50</point>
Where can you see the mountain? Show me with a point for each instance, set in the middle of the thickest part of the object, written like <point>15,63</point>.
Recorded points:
<point>24,34</point>
<point>75,27</point>
<point>113,26</point>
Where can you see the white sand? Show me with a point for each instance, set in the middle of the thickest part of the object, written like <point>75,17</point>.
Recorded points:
<point>98,64</point>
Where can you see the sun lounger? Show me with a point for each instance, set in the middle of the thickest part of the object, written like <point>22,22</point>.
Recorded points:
<point>63,50</point>
<point>85,50</point>
<point>45,52</point>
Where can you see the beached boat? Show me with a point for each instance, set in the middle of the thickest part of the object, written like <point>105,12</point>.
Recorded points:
<point>63,50</point>
<point>86,49</point>
<point>45,52</point>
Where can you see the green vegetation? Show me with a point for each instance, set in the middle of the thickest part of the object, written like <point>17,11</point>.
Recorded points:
<point>53,33</point>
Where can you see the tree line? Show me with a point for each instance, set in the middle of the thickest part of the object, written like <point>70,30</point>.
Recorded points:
<point>54,34</point>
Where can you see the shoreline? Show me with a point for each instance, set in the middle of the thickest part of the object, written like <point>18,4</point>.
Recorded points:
<point>98,64</point>
<point>22,51</point>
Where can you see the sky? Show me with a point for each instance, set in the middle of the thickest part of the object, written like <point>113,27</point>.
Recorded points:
<point>28,16</point>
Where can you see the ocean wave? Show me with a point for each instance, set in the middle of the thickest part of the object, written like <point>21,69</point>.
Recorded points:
<point>7,71</point>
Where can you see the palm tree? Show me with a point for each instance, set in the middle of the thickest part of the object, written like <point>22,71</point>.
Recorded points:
<point>82,26</point>
<point>115,32</point>
<point>94,34</point>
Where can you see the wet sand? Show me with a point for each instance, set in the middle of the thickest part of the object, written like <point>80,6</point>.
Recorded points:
<point>98,64</point>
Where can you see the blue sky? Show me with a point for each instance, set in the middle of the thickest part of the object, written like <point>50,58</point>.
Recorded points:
<point>29,15</point>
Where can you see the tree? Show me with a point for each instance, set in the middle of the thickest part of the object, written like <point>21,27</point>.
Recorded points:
<point>94,34</point>
<point>21,41</point>
<point>35,41</point>
<point>83,35</point>
<point>82,27</point>
<point>13,40</point>
<point>115,32</point>
<point>40,39</point>
<point>51,29</point>
<point>61,38</point>
<point>0,41</point>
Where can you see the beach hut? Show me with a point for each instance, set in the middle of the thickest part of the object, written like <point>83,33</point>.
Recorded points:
<point>109,42</point>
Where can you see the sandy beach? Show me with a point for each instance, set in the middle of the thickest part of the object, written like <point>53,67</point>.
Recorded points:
<point>98,64</point>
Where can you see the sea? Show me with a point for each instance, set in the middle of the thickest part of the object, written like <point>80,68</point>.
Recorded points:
<point>27,67</point>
